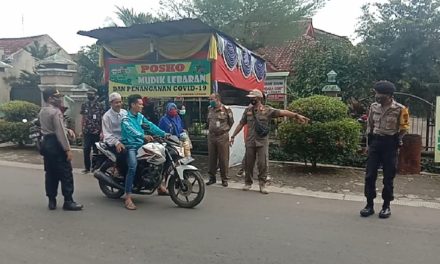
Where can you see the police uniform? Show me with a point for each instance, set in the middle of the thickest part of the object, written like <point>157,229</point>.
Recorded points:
<point>53,148</point>
<point>256,146</point>
<point>220,121</point>
<point>386,125</point>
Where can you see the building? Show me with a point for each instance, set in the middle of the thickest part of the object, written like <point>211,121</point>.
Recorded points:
<point>14,52</point>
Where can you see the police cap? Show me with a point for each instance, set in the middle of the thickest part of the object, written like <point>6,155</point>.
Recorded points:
<point>384,87</point>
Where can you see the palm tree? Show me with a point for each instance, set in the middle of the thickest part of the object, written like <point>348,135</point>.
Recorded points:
<point>129,17</point>
<point>38,51</point>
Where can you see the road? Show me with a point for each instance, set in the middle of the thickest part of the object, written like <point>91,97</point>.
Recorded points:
<point>230,226</point>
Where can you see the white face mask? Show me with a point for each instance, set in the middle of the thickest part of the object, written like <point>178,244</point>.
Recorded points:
<point>182,112</point>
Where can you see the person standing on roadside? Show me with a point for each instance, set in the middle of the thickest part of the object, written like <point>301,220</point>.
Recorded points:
<point>387,123</point>
<point>256,117</point>
<point>220,121</point>
<point>92,112</point>
<point>56,152</point>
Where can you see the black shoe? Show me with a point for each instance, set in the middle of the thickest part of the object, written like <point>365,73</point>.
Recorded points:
<point>85,171</point>
<point>224,183</point>
<point>385,213</point>
<point>72,206</point>
<point>367,211</point>
<point>52,204</point>
<point>211,181</point>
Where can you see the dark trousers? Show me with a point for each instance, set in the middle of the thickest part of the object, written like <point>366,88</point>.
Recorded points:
<point>58,169</point>
<point>218,152</point>
<point>89,143</point>
<point>382,150</point>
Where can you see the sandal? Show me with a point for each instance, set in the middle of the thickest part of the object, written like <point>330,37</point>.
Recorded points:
<point>162,191</point>
<point>130,205</point>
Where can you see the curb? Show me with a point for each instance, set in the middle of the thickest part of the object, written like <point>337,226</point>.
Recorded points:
<point>413,202</point>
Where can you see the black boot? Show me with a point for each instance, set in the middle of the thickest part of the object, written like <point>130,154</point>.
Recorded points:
<point>386,211</point>
<point>52,204</point>
<point>211,181</point>
<point>369,209</point>
<point>72,206</point>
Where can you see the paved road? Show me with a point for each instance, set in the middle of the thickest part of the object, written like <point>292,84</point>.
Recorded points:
<point>231,226</point>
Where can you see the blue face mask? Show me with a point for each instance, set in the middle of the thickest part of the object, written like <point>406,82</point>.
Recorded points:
<point>213,104</point>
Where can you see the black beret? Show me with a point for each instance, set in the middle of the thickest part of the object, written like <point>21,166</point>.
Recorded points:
<point>384,87</point>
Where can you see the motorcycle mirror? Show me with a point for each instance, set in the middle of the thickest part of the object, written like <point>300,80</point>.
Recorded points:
<point>24,120</point>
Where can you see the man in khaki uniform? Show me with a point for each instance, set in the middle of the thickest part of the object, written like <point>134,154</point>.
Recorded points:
<point>220,121</point>
<point>388,122</point>
<point>257,145</point>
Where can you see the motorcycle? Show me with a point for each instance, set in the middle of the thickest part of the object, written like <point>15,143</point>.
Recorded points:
<point>35,132</point>
<point>158,160</point>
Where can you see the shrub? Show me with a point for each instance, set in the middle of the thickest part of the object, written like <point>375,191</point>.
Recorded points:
<point>320,108</point>
<point>16,132</point>
<point>330,136</point>
<point>16,111</point>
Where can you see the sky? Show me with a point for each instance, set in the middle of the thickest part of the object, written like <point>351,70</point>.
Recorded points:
<point>63,19</point>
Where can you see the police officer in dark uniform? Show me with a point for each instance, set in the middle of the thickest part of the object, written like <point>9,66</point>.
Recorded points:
<point>388,122</point>
<point>56,151</point>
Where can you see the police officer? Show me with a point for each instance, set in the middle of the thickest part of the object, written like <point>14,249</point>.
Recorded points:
<point>388,121</point>
<point>56,151</point>
<point>256,144</point>
<point>220,121</point>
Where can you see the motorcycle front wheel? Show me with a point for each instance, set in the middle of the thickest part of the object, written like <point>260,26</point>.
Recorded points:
<point>189,192</point>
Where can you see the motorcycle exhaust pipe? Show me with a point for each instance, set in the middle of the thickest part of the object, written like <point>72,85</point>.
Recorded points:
<point>100,176</point>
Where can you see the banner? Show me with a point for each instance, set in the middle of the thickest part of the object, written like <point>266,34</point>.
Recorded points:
<point>437,131</point>
<point>170,79</point>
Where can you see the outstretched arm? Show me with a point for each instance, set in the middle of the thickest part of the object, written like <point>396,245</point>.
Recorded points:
<point>301,119</point>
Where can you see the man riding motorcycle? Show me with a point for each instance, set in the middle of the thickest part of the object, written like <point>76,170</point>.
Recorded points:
<point>111,129</point>
<point>134,125</point>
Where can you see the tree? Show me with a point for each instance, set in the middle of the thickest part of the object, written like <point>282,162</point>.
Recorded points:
<point>253,22</point>
<point>89,71</point>
<point>129,17</point>
<point>402,37</point>
<point>39,51</point>
<point>317,58</point>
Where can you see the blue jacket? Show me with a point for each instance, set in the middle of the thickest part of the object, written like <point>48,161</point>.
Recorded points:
<point>133,132</point>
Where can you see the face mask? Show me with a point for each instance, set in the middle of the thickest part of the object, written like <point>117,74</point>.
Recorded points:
<point>173,112</point>
<point>182,112</point>
<point>57,101</point>
<point>253,101</point>
<point>381,99</point>
<point>213,104</point>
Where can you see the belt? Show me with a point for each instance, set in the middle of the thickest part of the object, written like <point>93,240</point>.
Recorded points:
<point>217,134</point>
<point>378,136</point>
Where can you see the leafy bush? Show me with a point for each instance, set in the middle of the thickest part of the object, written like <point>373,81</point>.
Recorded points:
<point>330,136</point>
<point>16,132</point>
<point>320,108</point>
<point>16,111</point>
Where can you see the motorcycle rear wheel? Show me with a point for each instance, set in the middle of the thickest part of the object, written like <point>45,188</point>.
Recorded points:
<point>109,191</point>
<point>192,192</point>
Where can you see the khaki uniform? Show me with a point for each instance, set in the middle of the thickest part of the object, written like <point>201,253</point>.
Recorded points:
<point>220,121</point>
<point>257,147</point>
<point>384,126</point>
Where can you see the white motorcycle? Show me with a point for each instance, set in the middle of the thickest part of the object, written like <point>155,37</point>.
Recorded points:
<point>159,160</point>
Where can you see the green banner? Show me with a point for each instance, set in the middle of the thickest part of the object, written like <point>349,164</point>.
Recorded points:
<point>171,79</point>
